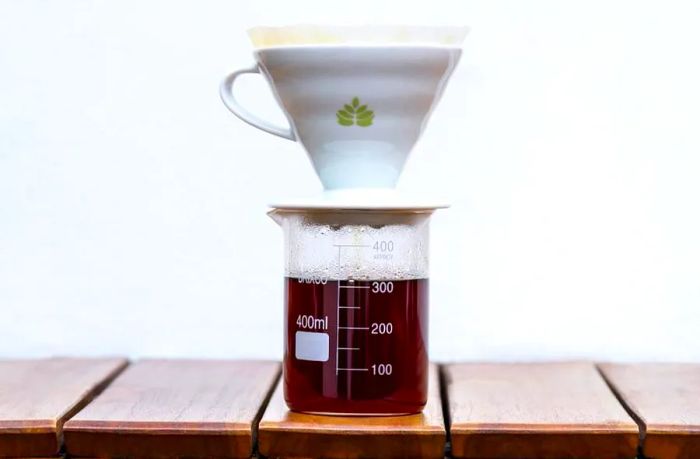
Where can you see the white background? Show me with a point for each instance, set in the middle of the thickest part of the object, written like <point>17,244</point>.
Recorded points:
<point>132,204</point>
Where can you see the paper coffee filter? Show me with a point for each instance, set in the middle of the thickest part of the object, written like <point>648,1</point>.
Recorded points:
<point>266,37</point>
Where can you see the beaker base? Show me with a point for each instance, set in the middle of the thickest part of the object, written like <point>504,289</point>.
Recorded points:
<point>356,415</point>
<point>345,408</point>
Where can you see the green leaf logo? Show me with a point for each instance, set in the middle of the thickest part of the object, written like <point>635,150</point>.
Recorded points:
<point>354,113</point>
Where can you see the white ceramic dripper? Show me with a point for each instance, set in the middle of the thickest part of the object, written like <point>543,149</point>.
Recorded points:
<point>357,99</point>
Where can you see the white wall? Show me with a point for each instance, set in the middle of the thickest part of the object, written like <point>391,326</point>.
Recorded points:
<point>132,204</point>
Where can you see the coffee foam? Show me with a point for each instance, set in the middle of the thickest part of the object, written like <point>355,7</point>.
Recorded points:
<point>319,250</point>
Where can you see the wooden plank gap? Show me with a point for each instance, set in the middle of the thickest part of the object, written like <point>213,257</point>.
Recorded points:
<point>445,402</point>
<point>666,398</point>
<point>38,396</point>
<point>625,404</point>
<point>84,402</point>
<point>261,411</point>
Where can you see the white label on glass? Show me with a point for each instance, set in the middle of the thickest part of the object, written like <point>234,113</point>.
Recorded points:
<point>311,346</point>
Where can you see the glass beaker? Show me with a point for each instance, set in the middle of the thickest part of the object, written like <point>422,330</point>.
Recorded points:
<point>356,310</point>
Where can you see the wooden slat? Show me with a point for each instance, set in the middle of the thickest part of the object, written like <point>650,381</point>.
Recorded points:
<point>536,411</point>
<point>286,434</point>
<point>665,397</point>
<point>37,396</point>
<point>174,408</point>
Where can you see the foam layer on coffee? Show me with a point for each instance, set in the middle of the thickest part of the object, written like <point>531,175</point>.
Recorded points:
<point>356,245</point>
<point>266,37</point>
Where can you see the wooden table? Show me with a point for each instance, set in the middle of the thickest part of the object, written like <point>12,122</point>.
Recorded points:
<point>37,396</point>
<point>175,408</point>
<point>286,434</point>
<point>665,398</point>
<point>536,411</point>
<point>232,409</point>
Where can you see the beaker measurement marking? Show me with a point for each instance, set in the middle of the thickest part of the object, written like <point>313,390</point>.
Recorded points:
<point>346,306</point>
<point>382,328</point>
<point>313,279</point>
<point>337,321</point>
<point>383,246</point>
<point>382,287</point>
<point>309,322</point>
<point>383,369</point>
<point>337,318</point>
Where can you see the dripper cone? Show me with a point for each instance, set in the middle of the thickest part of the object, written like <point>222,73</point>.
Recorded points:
<point>356,98</point>
<point>359,110</point>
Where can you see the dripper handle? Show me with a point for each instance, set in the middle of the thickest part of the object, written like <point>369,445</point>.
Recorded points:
<point>226,93</point>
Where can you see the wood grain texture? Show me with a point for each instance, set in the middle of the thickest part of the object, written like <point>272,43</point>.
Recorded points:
<point>666,399</point>
<point>286,434</point>
<point>536,411</point>
<point>37,396</point>
<point>174,408</point>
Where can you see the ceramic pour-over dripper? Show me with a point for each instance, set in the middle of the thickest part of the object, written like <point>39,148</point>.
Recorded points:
<point>357,98</point>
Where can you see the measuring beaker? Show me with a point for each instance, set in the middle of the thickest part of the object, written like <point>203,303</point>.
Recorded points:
<point>356,310</point>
